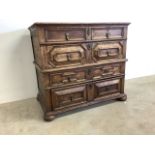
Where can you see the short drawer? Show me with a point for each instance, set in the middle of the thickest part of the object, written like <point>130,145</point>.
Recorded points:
<point>107,33</point>
<point>106,71</point>
<point>107,50</point>
<point>104,89</point>
<point>64,34</point>
<point>66,97</point>
<point>68,77</point>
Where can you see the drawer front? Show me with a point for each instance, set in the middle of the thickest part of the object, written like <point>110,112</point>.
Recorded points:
<point>106,88</point>
<point>107,50</point>
<point>107,33</point>
<point>106,71</point>
<point>72,34</point>
<point>67,55</point>
<point>66,97</point>
<point>68,77</point>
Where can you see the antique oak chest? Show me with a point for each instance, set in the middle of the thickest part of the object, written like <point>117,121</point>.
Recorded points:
<point>78,64</point>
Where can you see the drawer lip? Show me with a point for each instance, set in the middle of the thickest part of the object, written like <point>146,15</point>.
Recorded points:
<point>84,41</point>
<point>79,67</point>
<point>67,70</point>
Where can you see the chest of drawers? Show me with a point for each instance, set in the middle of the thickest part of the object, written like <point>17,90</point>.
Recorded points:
<point>79,64</point>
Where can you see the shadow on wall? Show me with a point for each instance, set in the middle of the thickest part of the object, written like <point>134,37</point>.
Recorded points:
<point>18,76</point>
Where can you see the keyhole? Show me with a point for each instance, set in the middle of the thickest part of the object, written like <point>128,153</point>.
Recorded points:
<point>71,98</point>
<point>90,86</point>
<point>88,46</point>
<point>68,79</point>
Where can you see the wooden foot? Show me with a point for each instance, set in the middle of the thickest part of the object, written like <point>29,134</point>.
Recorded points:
<point>49,117</point>
<point>38,97</point>
<point>123,98</point>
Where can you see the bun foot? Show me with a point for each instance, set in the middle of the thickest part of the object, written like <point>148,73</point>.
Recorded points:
<point>38,97</point>
<point>123,98</point>
<point>49,117</point>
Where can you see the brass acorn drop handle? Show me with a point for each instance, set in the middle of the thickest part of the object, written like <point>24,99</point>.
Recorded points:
<point>69,74</point>
<point>88,33</point>
<point>89,71</point>
<point>107,35</point>
<point>67,36</point>
<point>69,79</point>
<point>69,57</point>
<point>71,98</point>
<point>109,73</point>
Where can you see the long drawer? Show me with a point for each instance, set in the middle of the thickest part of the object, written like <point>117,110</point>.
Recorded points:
<point>71,55</point>
<point>70,33</point>
<point>71,96</point>
<point>74,76</point>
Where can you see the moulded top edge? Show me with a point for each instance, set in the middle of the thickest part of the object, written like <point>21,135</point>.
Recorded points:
<point>104,23</point>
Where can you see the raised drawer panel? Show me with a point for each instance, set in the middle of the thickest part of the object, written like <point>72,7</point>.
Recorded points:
<point>66,55</point>
<point>106,88</point>
<point>66,97</point>
<point>106,71</point>
<point>107,33</point>
<point>68,77</point>
<point>72,34</point>
<point>107,50</point>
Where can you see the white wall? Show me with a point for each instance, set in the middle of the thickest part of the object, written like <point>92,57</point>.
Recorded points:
<point>17,73</point>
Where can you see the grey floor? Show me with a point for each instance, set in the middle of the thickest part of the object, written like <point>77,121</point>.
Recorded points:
<point>135,116</point>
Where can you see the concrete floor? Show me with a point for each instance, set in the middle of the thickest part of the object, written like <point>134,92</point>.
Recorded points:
<point>136,116</point>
